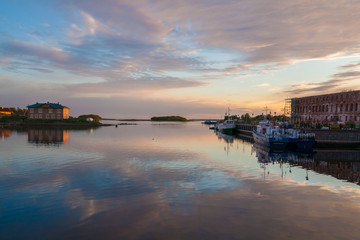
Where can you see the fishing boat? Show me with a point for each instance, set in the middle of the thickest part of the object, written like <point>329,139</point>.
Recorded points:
<point>209,122</point>
<point>269,135</point>
<point>228,126</point>
<point>299,139</point>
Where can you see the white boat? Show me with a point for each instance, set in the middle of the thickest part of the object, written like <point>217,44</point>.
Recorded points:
<point>298,139</point>
<point>269,135</point>
<point>228,126</point>
<point>282,135</point>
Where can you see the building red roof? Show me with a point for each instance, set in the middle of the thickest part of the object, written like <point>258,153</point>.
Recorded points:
<point>2,109</point>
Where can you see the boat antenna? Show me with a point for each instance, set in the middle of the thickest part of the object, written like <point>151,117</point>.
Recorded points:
<point>265,109</point>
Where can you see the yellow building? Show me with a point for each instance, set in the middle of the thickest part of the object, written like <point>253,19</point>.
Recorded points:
<point>5,111</point>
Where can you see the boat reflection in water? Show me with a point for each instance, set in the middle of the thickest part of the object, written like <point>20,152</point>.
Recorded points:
<point>343,165</point>
<point>48,136</point>
<point>227,138</point>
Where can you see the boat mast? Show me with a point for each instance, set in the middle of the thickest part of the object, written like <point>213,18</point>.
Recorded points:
<point>265,109</point>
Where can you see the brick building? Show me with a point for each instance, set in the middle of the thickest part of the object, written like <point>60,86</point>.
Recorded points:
<point>48,111</point>
<point>342,107</point>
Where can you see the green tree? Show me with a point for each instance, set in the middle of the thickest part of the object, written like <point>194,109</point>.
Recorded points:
<point>93,116</point>
<point>169,118</point>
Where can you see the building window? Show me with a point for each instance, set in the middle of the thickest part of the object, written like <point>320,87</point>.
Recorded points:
<point>39,110</point>
<point>323,108</point>
<point>356,106</point>
<point>31,115</point>
<point>346,118</point>
<point>346,107</point>
<point>50,110</point>
<point>355,118</point>
<point>47,116</point>
<point>36,116</point>
<point>341,107</point>
<point>59,111</point>
<point>53,116</point>
<point>31,110</point>
<point>351,107</point>
<point>58,116</point>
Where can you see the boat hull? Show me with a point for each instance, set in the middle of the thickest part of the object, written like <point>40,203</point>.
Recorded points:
<point>301,143</point>
<point>227,130</point>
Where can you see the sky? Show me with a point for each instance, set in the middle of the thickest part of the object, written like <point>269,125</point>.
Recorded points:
<point>144,58</point>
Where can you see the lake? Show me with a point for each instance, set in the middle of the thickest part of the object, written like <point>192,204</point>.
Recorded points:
<point>171,181</point>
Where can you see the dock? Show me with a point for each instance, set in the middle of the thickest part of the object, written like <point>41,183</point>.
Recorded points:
<point>349,139</point>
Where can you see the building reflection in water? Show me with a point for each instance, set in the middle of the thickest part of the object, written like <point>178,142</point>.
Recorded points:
<point>5,133</point>
<point>343,165</point>
<point>48,136</point>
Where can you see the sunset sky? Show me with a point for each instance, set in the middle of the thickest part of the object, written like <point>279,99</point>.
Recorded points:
<point>142,58</point>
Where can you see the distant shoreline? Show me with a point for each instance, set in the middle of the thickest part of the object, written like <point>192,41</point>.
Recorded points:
<point>149,120</point>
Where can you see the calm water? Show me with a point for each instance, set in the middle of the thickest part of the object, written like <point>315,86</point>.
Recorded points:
<point>171,181</point>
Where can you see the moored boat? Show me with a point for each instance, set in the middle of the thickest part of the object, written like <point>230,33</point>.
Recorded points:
<point>268,135</point>
<point>299,139</point>
<point>209,122</point>
<point>228,126</point>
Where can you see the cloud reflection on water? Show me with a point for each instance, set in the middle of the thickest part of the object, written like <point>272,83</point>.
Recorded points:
<point>120,183</point>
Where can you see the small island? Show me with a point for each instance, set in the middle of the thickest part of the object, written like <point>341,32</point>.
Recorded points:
<point>169,118</point>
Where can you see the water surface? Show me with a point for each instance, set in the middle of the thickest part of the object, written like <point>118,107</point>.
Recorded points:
<point>171,181</point>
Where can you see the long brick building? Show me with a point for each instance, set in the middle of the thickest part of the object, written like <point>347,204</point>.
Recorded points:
<point>342,107</point>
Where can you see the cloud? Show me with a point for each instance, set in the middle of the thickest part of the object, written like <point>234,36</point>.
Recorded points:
<point>335,84</point>
<point>122,17</point>
<point>42,70</point>
<point>22,49</point>
<point>351,65</point>
<point>119,100</point>
<point>263,85</point>
<point>129,86</point>
<point>263,32</point>
<point>347,75</point>
<point>130,47</point>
